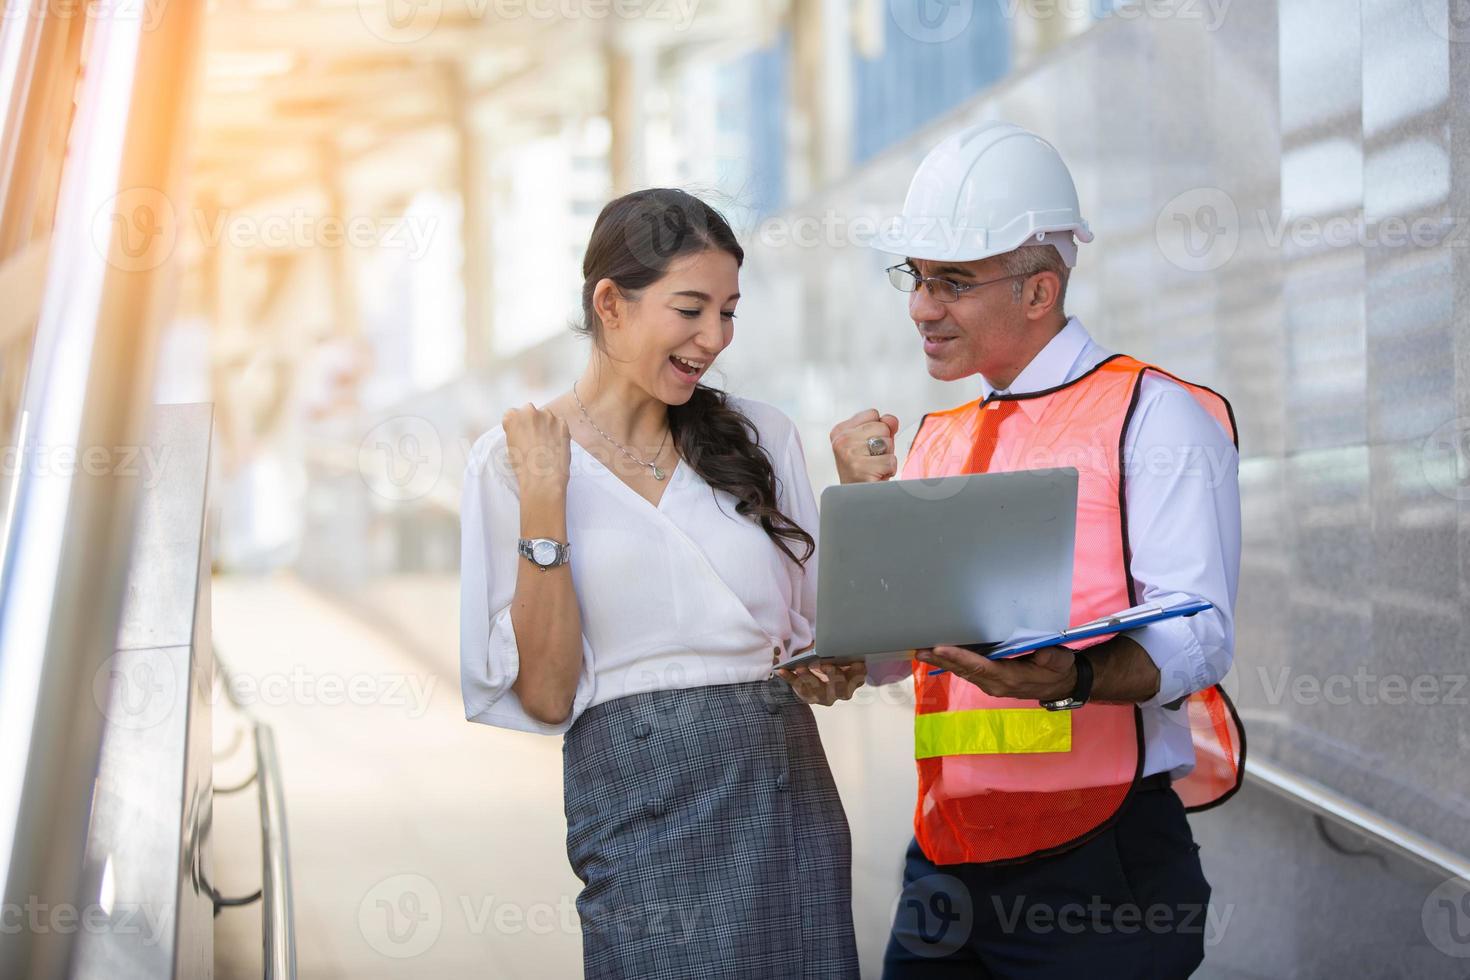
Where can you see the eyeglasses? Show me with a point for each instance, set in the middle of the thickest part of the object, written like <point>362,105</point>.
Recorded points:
<point>906,279</point>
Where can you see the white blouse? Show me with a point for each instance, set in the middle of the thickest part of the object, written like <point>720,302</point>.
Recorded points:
<point>684,594</point>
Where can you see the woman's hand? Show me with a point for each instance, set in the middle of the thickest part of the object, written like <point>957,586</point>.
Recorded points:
<point>540,449</point>
<point>825,684</point>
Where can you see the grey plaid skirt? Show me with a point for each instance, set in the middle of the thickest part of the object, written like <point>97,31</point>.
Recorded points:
<point>708,832</point>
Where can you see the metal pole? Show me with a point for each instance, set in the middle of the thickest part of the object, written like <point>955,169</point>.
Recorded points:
<point>87,393</point>
<point>277,915</point>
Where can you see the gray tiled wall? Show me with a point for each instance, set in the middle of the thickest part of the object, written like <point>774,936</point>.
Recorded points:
<point>1346,359</point>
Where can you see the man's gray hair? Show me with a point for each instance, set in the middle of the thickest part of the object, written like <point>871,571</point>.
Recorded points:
<point>1031,259</point>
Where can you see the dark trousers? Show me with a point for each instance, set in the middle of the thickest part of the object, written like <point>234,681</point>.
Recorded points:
<point>1130,902</point>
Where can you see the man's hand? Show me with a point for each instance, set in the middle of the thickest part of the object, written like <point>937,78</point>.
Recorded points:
<point>850,447</point>
<point>1122,672</point>
<point>1049,674</point>
<point>825,684</point>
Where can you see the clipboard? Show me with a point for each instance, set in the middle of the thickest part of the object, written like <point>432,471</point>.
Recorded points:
<point>1120,622</point>
<point>1016,646</point>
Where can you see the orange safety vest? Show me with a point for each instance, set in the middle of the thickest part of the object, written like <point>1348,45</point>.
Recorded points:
<point>1003,779</point>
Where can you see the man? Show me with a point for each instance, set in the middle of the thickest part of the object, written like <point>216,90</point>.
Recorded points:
<point>1050,831</point>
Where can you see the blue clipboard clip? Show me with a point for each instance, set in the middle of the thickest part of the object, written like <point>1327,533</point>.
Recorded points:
<point>1121,622</point>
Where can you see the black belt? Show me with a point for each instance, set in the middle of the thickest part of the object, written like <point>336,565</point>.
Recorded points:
<point>1159,780</point>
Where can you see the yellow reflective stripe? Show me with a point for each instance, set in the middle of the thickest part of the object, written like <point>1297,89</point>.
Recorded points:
<point>992,731</point>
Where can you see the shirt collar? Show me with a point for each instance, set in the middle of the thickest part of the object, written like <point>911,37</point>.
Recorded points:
<point>1051,366</point>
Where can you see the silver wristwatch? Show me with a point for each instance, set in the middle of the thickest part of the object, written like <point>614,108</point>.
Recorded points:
<point>1081,691</point>
<point>545,553</point>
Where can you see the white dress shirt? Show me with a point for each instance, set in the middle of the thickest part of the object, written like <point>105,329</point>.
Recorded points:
<point>1183,505</point>
<point>683,594</point>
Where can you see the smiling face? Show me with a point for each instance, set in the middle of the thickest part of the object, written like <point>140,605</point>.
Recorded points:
<point>665,337</point>
<point>987,330</point>
<point>979,332</point>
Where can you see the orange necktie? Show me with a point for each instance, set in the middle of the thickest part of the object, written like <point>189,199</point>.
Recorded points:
<point>987,434</point>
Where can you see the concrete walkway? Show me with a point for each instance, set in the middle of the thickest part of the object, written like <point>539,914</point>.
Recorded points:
<point>425,846</point>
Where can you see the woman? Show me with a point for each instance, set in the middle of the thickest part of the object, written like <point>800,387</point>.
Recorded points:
<point>637,554</point>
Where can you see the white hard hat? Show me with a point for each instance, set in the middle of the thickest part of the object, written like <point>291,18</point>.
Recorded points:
<point>988,189</point>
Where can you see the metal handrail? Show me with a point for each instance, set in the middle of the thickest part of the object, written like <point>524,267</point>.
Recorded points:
<point>276,914</point>
<point>1333,805</point>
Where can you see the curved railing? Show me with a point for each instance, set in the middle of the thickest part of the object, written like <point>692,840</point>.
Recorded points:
<point>276,914</point>
<point>277,911</point>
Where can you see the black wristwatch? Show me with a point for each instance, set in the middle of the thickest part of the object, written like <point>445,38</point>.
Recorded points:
<point>1080,692</point>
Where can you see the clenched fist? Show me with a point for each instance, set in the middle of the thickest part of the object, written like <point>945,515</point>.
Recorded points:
<point>850,447</point>
<point>540,448</point>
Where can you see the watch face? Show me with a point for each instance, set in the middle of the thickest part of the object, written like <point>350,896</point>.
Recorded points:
<point>543,553</point>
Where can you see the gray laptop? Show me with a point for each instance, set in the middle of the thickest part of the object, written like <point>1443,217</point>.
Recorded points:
<point>961,560</point>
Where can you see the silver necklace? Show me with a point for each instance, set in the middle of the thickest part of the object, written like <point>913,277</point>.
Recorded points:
<point>658,473</point>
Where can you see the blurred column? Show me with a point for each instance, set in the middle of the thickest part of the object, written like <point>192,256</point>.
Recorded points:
<point>804,112</point>
<point>229,307</point>
<point>477,271</point>
<point>40,50</point>
<point>629,71</point>
<point>819,118</point>
<point>345,319</point>
<point>834,147</point>
<point>1040,27</point>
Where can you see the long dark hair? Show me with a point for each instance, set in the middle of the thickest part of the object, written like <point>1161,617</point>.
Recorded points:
<point>635,240</point>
